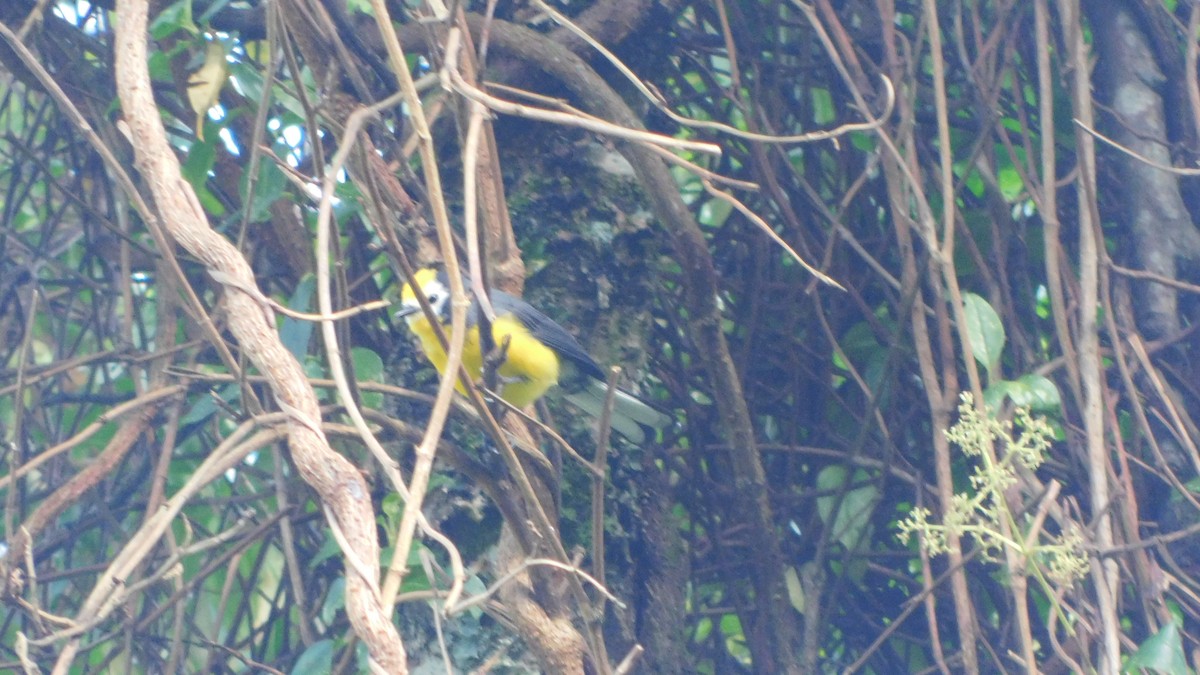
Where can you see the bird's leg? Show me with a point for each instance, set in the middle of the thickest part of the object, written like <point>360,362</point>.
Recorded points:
<point>492,380</point>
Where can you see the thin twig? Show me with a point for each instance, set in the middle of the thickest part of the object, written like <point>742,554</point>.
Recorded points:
<point>1179,171</point>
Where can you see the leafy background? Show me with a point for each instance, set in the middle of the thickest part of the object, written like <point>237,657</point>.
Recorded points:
<point>1009,227</point>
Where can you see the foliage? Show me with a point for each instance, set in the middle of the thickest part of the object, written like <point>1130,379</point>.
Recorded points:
<point>951,166</point>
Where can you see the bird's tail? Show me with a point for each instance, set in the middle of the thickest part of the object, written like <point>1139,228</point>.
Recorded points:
<point>632,417</point>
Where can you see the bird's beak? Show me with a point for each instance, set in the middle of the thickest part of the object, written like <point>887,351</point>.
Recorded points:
<point>407,310</point>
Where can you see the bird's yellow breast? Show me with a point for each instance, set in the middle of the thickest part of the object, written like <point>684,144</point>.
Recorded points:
<point>529,367</point>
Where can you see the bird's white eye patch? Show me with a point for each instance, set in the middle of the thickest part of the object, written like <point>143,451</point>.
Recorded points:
<point>437,294</point>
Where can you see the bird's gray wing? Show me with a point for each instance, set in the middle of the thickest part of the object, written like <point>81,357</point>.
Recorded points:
<point>547,331</point>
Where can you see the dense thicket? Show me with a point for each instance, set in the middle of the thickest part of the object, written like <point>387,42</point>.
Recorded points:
<point>913,278</point>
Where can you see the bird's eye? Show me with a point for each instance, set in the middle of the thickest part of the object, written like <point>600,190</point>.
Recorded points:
<point>433,298</point>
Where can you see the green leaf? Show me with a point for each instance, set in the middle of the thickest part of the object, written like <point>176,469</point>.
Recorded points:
<point>1041,393</point>
<point>159,65</point>
<point>335,601</point>
<point>474,586</point>
<point>1036,392</point>
<point>854,511</point>
<point>368,367</point>
<point>985,331</point>
<point>391,510</point>
<point>822,105</point>
<point>863,141</point>
<point>213,8</point>
<point>995,393</point>
<point>315,660</point>
<point>735,638</point>
<point>199,161</point>
<point>268,189</point>
<point>329,548</point>
<point>1161,652</point>
<point>1011,185</point>
<point>174,17</point>
<point>296,333</point>
<point>206,406</point>
<point>975,184</point>
<point>731,625</point>
<point>714,212</point>
<point>795,589</point>
<point>195,169</point>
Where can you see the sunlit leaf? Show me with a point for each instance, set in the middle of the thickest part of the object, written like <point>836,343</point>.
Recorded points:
<point>1036,392</point>
<point>204,85</point>
<point>795,589</point>
<point>1161,653</point>
<point>985,330</point>
<point>1011,184</point>
<point>1041,394</point>
<point>854,507</point>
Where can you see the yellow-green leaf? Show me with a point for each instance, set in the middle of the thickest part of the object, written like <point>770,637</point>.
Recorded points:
<point>204,85</point>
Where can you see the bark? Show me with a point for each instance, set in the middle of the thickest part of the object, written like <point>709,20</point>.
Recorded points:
<point>1159,226</point>
<point>680,231</point>
<point>663,572</point>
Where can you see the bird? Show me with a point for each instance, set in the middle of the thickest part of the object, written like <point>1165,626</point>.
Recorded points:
<point>539,355</point>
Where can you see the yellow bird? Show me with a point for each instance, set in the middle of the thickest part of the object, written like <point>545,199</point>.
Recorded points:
<point>540,354</point>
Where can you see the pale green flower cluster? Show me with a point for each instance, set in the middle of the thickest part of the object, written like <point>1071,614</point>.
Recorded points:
<point>1001,448</point>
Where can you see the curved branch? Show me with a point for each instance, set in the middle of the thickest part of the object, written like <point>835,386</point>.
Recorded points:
<point>340,486</point>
